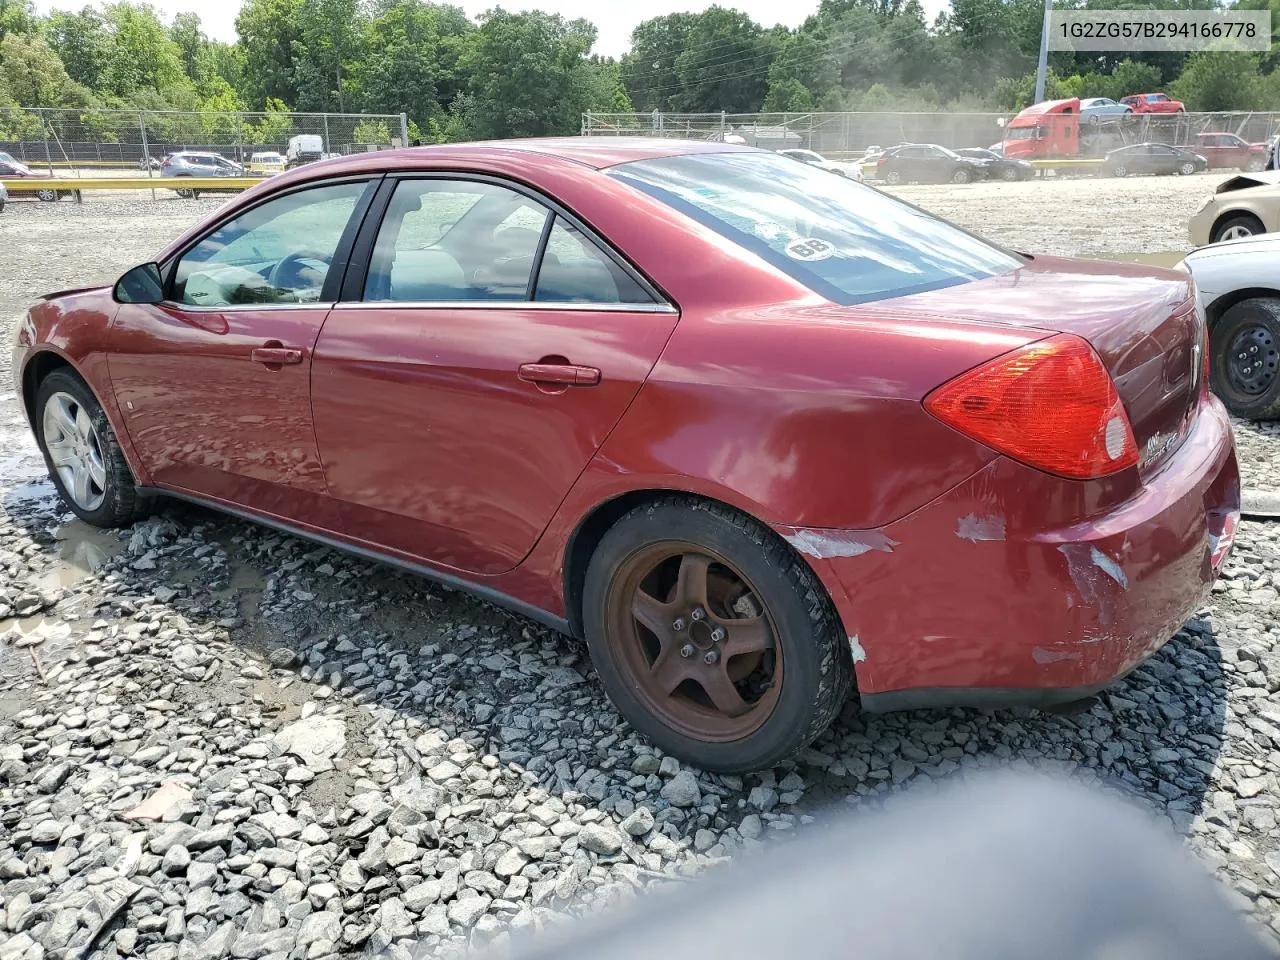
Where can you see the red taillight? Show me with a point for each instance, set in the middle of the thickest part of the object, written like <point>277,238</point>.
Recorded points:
<point>1050,404</point>
<point>880,161</point>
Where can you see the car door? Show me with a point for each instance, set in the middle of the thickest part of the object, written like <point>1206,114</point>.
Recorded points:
<point>214,382</point>
<point>464,383</point>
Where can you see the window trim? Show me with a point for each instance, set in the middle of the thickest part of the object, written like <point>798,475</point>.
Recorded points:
<point>338,267</point>
<point>352,289</point>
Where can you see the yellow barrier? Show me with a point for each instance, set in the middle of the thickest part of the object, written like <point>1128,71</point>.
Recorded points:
<point>131,183</point>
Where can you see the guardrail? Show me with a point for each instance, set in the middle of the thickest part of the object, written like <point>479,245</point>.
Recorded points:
<point>70,184</point>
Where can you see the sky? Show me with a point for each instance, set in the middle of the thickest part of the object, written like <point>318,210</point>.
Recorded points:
<point>615,19</point>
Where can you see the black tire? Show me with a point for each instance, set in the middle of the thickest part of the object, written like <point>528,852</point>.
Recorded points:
<point>818,674</point>
<point>47,196</point>
<point>121,503</point>
<point>1255,323</point>
<point>961,175</point>
<point>1236,222</point>
<point>1009,174</point>
<point>1119,170</point>
<point>893,178</point>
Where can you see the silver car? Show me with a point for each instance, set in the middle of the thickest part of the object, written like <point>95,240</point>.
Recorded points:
<point>192,164</point>
<point>1097,109</point>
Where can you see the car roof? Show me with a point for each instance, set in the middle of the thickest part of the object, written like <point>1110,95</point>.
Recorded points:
<point>595,152</point>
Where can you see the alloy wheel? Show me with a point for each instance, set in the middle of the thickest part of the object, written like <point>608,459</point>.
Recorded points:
<point>75,450</point>
<point>696,644</point>
<point>1236,232</point>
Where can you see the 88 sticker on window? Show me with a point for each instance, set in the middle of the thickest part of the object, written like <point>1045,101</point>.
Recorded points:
<point>810,249</point>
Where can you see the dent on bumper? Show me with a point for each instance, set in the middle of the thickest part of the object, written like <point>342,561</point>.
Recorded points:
<point>960,604</point>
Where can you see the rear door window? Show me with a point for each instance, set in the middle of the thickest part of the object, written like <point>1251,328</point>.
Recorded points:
<point>845,241</point>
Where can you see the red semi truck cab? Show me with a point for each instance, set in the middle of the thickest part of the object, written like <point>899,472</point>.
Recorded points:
<point>1048,129</point>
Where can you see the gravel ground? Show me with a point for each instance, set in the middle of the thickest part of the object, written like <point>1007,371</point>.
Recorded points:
<point>219,741</point>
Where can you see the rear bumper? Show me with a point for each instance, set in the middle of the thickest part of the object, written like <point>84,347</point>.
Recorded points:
<point>959,604</point>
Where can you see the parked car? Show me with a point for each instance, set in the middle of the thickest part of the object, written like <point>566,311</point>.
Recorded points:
<point>1229,150</point>
<point>926,163</point>
<point>1158,158</point>
<point>194,164</point>
<point>1153,103</point>
<point>1100,109</point>
<point>851,170</point>
<point>11,169</point>
<point>4,197</point>
<point>996,167</point>
<point>1245,205</point>
<point>304,148</point>
<point>1238,283</point>
<point>747,428</point>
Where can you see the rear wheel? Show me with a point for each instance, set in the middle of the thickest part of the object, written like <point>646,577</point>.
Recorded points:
<point>1235,227</point>
<point>712,637</point>
<point>1255,164</point>
<point>893,178</point>
<point>82,453</point>
<point>48,196</point>
<point>1245,362</point>
<point>1119,170</point>
<point>961,176</point>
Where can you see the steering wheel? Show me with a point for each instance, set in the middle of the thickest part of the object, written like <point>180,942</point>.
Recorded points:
<point>288,267</point>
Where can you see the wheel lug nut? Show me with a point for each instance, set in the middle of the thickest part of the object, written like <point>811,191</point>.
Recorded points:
<point>717,634</point>
<point>698,613</point>
<point>710,657</point>
<point>687,651</point>
<point>678,624</point>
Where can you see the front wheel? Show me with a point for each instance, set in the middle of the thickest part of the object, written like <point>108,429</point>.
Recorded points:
<point>1187,169</point>
<point>712,637</point>
<point>1119,170</point>
<point>48,196</point>
<point>1009,173</point>
<point>1236,227</point>
<point>1244,369</point>
<point>83,456</point>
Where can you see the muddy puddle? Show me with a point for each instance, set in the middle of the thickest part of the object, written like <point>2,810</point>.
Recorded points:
<point>82,551</point>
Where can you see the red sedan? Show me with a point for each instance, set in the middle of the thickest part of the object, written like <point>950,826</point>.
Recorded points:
<point>1153,103</point>
<point>760,435</point>
<point>11,169</point>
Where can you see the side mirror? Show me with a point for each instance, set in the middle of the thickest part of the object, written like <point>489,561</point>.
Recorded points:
<point>142,284</point>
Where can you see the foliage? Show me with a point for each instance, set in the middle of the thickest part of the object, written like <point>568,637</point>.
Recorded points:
<point>372,131</point>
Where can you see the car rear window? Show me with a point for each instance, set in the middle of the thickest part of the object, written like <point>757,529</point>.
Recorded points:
<point>845,241</point>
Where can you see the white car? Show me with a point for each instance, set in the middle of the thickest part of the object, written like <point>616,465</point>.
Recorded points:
<point>851,170</point>
<point>4,197</point>
<point>1238,287</point>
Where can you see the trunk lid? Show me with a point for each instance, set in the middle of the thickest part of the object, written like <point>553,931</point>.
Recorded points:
<point>1142,322</point>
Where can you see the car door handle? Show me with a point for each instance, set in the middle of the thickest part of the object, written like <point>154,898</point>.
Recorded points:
<point>569,374</point>
<point>276,355</point>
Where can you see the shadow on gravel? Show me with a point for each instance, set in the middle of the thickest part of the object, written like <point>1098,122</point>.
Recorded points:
<point>443,660</point>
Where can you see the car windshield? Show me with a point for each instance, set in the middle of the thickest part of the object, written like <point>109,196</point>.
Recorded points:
<point>845,241</point>
<point>1021,133</point>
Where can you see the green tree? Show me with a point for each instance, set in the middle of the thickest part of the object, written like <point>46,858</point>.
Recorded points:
<point>725,63</point>
<point>1216,80</point>
<point>17,16</point>
<point>529,76</point>
<point>328,45</point>
<point>31,72</point>
<point>83,43</point>
<point>649,69</point>
<point>415,68</point>
<point>268,30</point>
<point>186,32</point>
<point>140,55</point>
<point>274,127</point>
<point>371,131</point>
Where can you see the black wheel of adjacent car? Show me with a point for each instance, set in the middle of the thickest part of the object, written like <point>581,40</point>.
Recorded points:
<point>48,196</point>
<point>712,637</point>
<point>1119,170</point>
<point>82,453</point>
<point>1236,226</point>
<point>1245,361</point>
<point>1187,169</point>
<point>961,175</point>
<point>893,178</point>
<point>1009,173</point>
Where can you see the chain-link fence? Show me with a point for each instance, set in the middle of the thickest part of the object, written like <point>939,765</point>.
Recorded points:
<point>845,135</point>
<point>124,138</point>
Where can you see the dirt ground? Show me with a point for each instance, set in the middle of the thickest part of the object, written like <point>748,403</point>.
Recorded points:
<point>192,653</point>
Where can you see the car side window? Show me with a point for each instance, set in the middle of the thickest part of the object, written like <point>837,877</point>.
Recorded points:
<point>447,240</point>
<point>575,270</point>
<point>276,252</point>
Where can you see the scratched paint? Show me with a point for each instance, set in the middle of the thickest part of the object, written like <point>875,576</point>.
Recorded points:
<point>1043,655</point>
<point>826,544</point>
<point>1108,566</point>
<point>1088,578</point>
<point>975,528</point>
<point>855,649</point>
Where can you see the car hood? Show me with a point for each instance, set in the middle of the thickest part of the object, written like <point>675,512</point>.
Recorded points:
<point>1248,181</point>
<point>1266,245</point>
